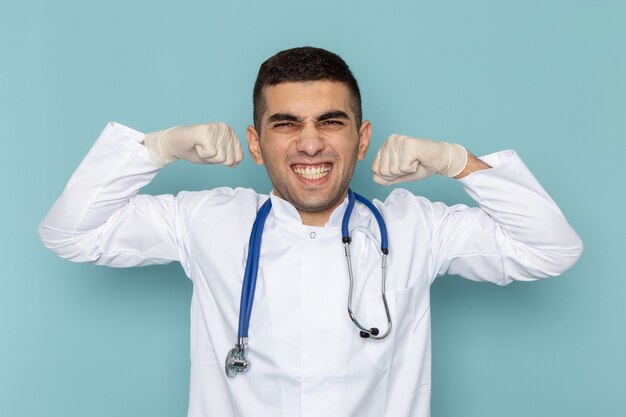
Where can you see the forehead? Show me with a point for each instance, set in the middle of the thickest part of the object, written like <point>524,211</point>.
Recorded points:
<point>308,98</point>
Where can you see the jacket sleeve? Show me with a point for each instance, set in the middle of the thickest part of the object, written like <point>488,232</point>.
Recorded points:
<point>517,234</point>
<point>101,218</point>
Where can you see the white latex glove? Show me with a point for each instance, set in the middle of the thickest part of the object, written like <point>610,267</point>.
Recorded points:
<point>211,143</point>
<point>402,159</point>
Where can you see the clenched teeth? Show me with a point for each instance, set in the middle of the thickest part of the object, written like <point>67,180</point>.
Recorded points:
<point>313,173</point>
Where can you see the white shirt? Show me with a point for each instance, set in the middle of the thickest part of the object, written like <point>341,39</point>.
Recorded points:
<point>307,358</point>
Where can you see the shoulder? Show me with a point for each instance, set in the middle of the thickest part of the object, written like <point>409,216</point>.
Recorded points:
<point>226,199</point>
<point>401,200</point>
<point>404,207</point>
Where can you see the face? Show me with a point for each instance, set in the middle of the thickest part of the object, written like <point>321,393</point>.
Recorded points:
<point>309,143</point>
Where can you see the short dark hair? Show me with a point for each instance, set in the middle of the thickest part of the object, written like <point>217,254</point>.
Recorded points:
<point>304,64</point>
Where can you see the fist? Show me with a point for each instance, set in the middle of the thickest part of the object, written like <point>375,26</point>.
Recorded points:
<point>211,143</point>
<point>402,158</point>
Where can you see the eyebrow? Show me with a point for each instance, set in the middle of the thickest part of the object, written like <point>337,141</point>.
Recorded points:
<point>335,114</point>
<point>282,117</point>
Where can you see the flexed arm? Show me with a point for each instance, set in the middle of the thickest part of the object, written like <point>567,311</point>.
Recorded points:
<point>517,233</point>
<point>101,217</point>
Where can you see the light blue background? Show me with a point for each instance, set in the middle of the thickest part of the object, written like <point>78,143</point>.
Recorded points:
<point>547,78</point>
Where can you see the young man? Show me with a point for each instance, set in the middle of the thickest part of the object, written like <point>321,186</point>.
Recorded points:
<point>306,356</point>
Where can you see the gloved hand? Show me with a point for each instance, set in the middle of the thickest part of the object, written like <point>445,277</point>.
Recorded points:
<point>402,159</point>
<point>211,143</point>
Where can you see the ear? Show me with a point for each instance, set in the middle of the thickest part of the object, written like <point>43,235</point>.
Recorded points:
<point>254,147</point>
<point>365,133</point>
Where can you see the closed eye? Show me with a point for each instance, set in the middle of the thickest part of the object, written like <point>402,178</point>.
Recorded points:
<point>331,124</point>
<point>285,126</point>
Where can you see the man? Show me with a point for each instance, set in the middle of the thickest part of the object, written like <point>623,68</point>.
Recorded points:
<point>307,358</point>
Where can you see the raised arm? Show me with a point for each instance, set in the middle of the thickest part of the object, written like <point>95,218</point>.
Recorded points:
<point>100,217</point>
<point>517,233</point>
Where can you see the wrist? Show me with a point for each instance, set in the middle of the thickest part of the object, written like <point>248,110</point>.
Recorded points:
<point>457,160</point>
<point>473,165</point>
<point>154,143</point>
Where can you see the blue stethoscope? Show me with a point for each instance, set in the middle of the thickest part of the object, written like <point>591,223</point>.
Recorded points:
<point>236,361</point>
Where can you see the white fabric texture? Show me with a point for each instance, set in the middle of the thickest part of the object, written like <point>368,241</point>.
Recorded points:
<point>307,358</point>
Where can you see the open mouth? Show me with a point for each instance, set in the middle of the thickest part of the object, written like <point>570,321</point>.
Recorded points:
<point>312,172</point>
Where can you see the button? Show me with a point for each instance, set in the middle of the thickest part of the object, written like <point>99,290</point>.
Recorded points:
<point>312,235</point>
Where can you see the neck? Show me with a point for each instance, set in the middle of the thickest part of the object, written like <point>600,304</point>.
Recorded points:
<point>317,218</point>
<point>321,217</point>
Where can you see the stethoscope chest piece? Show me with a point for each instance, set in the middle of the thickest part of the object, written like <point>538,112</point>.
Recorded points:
<point>236,361</point>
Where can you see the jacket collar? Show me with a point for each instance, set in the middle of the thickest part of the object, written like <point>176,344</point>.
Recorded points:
<point>284,211</point>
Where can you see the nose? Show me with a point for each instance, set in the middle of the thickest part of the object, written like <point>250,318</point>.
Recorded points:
<point>310,141</point>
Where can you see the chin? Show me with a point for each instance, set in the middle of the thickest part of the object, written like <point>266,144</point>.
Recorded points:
<point>314,203</point>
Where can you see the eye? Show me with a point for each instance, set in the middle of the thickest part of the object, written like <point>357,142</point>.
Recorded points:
<point>331,124</point>
<point>284,126</point>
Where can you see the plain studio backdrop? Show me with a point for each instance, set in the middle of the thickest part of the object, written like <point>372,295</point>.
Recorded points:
<point>547,78</point>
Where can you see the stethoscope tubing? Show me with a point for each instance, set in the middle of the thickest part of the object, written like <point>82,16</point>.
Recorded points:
<point>345,234</point>
<point>252,269</point>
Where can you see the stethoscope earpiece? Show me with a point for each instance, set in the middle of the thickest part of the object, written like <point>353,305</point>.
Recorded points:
<point>366,335</point>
